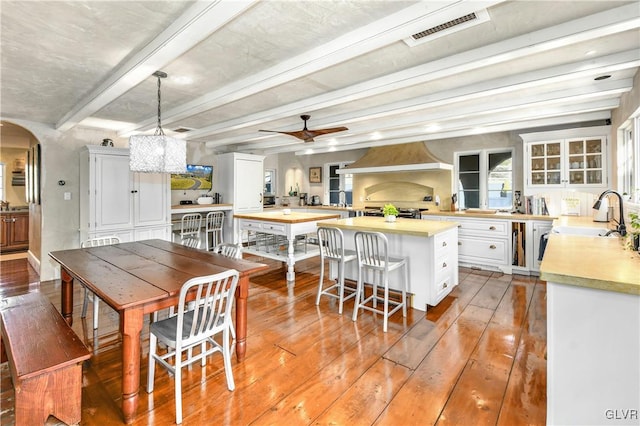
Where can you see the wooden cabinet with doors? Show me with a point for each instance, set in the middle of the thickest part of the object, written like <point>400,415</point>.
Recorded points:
<point>574,159</point>
<point>15,231</point>
<point>116,201</point>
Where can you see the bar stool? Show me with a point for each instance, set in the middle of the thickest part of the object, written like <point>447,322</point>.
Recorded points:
<point>190,225</point>
<point>213,226</point>
<point>331,242</point>
<point>372,253</point>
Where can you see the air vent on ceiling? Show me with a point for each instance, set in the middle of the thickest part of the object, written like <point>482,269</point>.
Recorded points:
<point>182,130</point>
<point>450,27</point>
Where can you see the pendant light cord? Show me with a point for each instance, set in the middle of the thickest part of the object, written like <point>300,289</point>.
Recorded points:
<point>159,131</point>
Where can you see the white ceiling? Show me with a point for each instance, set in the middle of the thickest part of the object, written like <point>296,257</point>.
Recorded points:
<point>239,66</point>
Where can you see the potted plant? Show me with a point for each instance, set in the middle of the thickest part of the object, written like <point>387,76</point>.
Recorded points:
<point>634,231</point>
<point>390,212</point>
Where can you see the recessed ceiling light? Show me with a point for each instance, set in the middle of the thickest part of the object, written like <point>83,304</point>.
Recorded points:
<point>602,77</point>
<point>432,127</point>
<point>332,148</point>
<point>375,136</point>
<point>590,53</point>
<point>309,151</point>
<point>333,141</point>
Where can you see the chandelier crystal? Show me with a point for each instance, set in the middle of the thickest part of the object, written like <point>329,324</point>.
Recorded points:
<point>157,153</point>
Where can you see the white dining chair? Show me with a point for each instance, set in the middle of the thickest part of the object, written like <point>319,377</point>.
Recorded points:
<point>213,229</point>
<point>190,328</point>
<point>228,250</point>
<point>331,242</point>
<point>89,296</point>
<point>372,252</point>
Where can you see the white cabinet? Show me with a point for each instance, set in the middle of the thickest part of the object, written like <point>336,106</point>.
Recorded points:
<point>241,181</point>
<point>115,201</point>
<point>483,242</point>
<point>566,159</point>
<point>538,230</point>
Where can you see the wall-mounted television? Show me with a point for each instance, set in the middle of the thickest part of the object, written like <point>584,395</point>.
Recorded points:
<point>197,177</point>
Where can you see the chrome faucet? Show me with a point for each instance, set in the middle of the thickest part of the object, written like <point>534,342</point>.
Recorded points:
<point>621,229</point>
<point>342,201</point>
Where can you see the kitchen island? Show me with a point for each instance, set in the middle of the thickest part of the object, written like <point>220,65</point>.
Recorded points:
<point>279,224</point>
<point>431,249</point>
<point>593,329</point>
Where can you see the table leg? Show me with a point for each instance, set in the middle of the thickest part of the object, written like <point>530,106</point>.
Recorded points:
<point>291,275</point>
<point>130,327</point>
<point>66,301</point>
<point>242,292</point>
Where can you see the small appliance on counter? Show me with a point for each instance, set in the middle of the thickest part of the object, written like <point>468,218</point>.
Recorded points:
<point>315,200</point>
<point>303,198</point>
<point>268,200</point>
<point>601,214</point>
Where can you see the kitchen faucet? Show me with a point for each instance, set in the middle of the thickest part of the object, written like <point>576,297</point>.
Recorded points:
<point>621,229</point>
<point>342,202</point>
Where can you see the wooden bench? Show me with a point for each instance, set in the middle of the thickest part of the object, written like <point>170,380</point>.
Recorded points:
<point>45,359</point>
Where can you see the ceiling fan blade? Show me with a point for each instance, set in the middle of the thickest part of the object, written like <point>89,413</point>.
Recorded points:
<point>306,134</point>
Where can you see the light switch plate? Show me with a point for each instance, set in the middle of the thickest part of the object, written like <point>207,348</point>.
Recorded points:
<point>67,196</point>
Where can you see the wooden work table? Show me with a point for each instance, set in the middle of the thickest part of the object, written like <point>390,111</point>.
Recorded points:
<point>279,224</point>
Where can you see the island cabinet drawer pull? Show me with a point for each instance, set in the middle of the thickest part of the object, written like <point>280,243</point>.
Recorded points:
<point>445,285</point>
<point>444,244</point>
<point>444,264</point>
<point>459,243</point>
<point>492,228</point>
<point>492,247</point>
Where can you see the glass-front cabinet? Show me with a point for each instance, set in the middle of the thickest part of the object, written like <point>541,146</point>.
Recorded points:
<point>575,162</point>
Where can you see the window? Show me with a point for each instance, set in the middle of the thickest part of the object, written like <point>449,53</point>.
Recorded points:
<point>485,179</point>
<point>629,160</point>
<point>270,182</point>
<point>336,185</point>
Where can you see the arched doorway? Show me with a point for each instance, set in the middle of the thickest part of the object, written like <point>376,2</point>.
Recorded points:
<point>20,215</point>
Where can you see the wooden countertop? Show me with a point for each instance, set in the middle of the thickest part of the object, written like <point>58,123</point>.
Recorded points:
<point>280,217</point>
<point>508,216</point>
<point>417,227</point>
<point>593,262</point>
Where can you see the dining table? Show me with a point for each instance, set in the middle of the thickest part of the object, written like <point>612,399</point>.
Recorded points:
<point>143,277</point>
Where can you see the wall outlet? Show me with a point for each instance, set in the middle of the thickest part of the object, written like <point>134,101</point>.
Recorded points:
<point>67,196</point>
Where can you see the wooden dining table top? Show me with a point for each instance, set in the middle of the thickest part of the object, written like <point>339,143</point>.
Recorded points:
<point>135,273</point>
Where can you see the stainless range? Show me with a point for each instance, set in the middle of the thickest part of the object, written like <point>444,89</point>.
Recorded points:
<point>410,213</point>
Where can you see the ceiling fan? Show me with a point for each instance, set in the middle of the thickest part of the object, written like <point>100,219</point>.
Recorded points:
<point>306,134</point>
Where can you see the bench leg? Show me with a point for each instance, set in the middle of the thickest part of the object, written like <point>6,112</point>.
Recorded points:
<point>57,393</point>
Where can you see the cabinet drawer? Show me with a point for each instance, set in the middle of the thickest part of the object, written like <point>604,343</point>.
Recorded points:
<point>484,228</point>
<point>251,225</point>
<point>443,267</point>
<point>273,228</point>
<point>483,250</point>
<point>443,287</point>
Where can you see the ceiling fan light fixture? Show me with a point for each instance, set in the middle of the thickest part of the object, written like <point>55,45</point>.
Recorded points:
<point>157,153</point>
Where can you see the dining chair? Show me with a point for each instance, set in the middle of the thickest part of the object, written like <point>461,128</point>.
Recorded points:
<point>190,225</point>
<point>228,250</point>
<point>212,299</point>
<point>89,296</point>
<point>213,225</point>
<point>331,242</point>
<point>372,254</point>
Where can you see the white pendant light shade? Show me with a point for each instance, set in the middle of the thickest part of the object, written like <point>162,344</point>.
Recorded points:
<point>157,154</point>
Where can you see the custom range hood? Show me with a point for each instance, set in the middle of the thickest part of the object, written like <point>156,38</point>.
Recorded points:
<point>396,158</point>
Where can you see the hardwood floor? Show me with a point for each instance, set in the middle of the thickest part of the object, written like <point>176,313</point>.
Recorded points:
<point>476,358</point>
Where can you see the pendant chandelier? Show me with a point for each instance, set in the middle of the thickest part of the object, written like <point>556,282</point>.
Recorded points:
<point>157,153</point>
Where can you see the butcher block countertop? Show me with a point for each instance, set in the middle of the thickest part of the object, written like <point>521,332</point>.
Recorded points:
<point>280,217</point>
<point>508,216</point>
<point>592,262</point>
<point>417,227</point>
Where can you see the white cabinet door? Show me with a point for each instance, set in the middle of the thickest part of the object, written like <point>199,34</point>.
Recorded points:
<point>249,183</point>
<point>113,196</point>
<point>150,198</point>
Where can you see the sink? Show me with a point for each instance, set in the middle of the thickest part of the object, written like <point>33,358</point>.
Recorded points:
<point>586,231</point>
